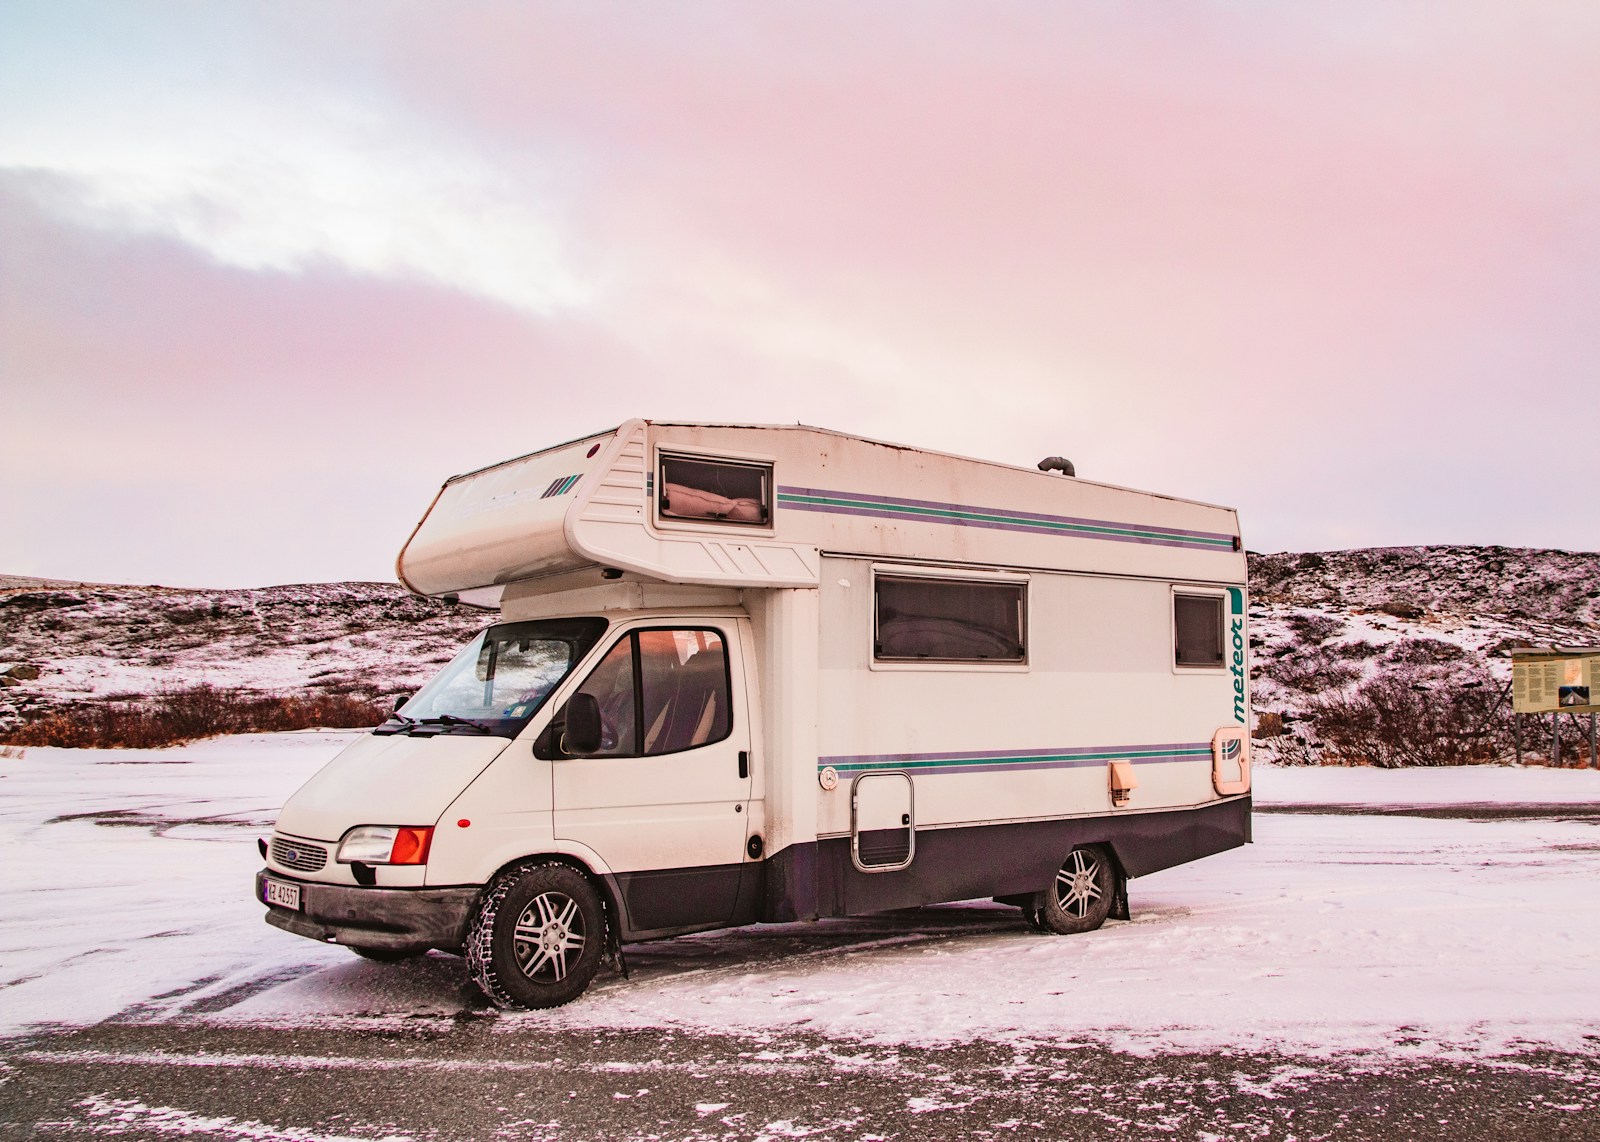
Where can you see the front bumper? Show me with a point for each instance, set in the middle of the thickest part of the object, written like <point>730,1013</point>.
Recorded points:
<point>394,919</point>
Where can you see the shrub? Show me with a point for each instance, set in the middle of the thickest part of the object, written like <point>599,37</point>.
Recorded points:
<point>1311,673</point>
<point>178,716</point>
<point>1401,609</point>
<point>1268,725</point>
<point>1358,649</point>
<point>1405,718</point>
<point>1424,651</point>
<point>1314,628</point>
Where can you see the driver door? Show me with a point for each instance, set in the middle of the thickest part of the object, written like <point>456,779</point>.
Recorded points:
<point>663,799</point>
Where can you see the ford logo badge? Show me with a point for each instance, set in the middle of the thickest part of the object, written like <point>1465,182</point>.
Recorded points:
<point>288,854</point>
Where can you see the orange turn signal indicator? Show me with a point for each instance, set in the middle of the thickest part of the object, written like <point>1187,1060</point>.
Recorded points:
<point>411,844</point>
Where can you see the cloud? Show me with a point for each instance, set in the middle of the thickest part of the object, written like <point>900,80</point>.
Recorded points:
<point>264,173</point>
<point>1335,268</point>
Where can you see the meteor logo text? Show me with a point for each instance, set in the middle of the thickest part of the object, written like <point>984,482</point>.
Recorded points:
<point>1236,662</point>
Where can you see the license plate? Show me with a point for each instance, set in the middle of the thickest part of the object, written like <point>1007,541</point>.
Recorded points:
<point>281,894</point>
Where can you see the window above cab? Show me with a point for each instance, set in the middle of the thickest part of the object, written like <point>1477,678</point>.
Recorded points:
<point>705,489</point>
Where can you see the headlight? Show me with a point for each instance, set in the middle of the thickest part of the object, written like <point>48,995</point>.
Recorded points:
<point>386,844</point>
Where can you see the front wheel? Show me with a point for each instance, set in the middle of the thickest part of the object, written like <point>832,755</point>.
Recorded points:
<point>537,938</point>
<point>1080,899</point>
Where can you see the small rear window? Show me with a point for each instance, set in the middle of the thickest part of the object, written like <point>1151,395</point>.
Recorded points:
<point>1197,630</point>
<point>723,491</point>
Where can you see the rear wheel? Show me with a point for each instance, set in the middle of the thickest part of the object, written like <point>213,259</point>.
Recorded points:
<point>538,936</point>
<point>1080,899</point>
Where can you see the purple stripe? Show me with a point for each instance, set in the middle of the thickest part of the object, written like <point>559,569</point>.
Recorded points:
<point>857,758</point>
<point>1036,766</point>
<point>939,506</point>
<point>993,526</point>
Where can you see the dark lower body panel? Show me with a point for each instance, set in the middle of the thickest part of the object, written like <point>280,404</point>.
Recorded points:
<point>814,880</point>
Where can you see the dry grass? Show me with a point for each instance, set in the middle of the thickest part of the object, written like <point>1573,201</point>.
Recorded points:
<point>1269,724</point>
<point>179,716</point>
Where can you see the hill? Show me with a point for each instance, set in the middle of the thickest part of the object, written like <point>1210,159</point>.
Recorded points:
<point>66,644</point>
<point>1344,644</point>
<point>1395,655</point>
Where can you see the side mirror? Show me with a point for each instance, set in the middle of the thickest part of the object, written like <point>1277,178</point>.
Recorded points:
<point>401,700</point>
<point>583,723</point>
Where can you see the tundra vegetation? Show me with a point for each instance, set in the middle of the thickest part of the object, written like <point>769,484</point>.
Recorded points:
<point>1397,656</point>
<point>1382,656</point>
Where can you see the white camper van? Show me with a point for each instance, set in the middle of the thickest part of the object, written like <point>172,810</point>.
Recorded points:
<point>763,674</point>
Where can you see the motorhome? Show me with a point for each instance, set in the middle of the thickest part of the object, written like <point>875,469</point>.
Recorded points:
<point>747,674</point>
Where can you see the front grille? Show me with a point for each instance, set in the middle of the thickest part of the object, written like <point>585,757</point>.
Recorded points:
<point>302,856</point>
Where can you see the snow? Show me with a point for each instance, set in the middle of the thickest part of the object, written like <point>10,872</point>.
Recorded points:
<point>127,894</point>
<point>125,870</point>
<point>130,1116</point>
<point>1463,786</point>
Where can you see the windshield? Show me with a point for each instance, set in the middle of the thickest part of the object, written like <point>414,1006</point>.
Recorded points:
<point>499,680</point>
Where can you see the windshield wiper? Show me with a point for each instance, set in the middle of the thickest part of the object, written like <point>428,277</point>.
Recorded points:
<point>387,726</point>
<point>452,720</point>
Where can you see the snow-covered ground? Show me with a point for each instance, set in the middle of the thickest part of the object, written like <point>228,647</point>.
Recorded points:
<point>126,892</point>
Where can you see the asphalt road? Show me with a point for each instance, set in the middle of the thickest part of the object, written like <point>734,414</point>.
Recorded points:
<point>475,1077</point>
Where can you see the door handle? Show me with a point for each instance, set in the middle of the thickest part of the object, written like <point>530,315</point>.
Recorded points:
<point>744,763</point>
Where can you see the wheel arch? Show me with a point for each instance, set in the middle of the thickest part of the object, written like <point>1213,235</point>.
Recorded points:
<point>604,886</point>
<point>1119,871</point>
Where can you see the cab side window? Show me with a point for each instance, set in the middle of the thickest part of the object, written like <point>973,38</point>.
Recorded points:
<point>662,692</point>
<point>685,689</point>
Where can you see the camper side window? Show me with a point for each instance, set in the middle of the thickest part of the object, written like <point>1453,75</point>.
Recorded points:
<point>718,490</point>
<point>660,692</point>
<point>944,620</point>
<point>1197,630</point>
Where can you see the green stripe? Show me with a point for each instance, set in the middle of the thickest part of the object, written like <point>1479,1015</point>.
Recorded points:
<point>985,517</point>
<point>1004,759</point>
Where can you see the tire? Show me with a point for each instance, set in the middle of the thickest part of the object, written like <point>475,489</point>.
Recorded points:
<point>1081,897</point>
<point>538,936</point>
<point>388,955</point>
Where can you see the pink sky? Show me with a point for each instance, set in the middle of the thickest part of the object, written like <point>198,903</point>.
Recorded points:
<point>269,273</point>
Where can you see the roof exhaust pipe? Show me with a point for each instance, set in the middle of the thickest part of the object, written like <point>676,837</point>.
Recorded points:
<point>1057,464</point>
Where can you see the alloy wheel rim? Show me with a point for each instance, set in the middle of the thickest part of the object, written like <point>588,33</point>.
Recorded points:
<point>1078,884</point>
<point>549,937</point>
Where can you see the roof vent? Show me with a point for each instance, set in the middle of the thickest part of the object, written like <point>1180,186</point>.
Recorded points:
<point>1057,464</point>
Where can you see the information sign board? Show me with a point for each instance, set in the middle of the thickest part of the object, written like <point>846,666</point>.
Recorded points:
<point>1546,681</point>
